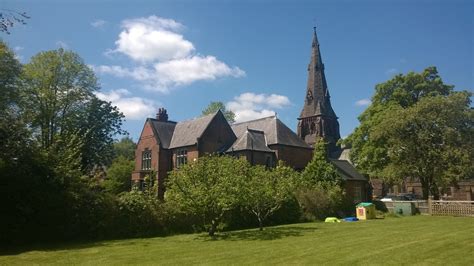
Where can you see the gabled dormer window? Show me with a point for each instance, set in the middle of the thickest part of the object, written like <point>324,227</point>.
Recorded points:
<point>146,160</point>
<point>181,157</point>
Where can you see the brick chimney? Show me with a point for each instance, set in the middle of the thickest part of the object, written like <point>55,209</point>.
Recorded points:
<point>162,115</point>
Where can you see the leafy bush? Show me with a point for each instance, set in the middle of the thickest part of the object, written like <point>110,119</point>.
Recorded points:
<point>318,202</point>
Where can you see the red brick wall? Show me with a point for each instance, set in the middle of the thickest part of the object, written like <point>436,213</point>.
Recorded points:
<point>219,134</point>
<point>147,140</point>
<point>350,186</point>
<point>193,154</point>
<point>295,157</point>
<point>258,157</point>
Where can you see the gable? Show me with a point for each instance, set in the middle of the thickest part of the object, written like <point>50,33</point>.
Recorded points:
<point>186,133</point>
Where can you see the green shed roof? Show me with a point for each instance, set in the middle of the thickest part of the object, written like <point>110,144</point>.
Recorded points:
<point>364,204</point>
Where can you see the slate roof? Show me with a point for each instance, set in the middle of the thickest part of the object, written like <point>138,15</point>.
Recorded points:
<point>251,140</point>
<point>163,131</point>
<point>275,131</point>
<point>187,132</point>
<point>347,171</point>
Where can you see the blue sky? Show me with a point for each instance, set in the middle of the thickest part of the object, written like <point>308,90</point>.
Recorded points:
<point>251,55</point>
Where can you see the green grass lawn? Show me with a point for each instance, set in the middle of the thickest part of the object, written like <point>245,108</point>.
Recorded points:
<point>408,240</point>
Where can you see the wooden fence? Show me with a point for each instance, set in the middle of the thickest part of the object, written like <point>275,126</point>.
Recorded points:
<point>451,208</point>
<point>436,207</point>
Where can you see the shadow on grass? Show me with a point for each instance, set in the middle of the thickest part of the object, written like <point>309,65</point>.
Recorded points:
<point>270,233</point>
<point>73,245</point>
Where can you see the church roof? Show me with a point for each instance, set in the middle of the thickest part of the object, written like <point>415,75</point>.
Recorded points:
<point>187,132</point>
<point>275,131</point>
<point>163,131</point>
<point>347,170</point>
<point>251,139</point>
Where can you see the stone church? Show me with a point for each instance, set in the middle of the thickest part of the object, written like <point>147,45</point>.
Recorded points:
<point>165,145</point>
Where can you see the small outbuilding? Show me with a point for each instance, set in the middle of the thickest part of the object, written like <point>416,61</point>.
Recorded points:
<point>365,211</point>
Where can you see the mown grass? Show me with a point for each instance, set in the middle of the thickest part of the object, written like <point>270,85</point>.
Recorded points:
<point>421,240</point>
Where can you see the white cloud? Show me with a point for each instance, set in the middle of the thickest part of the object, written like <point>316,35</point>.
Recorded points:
<point>134,108</point>
<point>249,106</point>
<point>173,73</point>
<point>138,73</point>
<point>391,71</point>
<point>98,23</point>
<point>363,102</point>
<point>18,48</point>
<point>188,70</point>
<point>152,38</point>
<point>162,58</point>
<point>62,44</point>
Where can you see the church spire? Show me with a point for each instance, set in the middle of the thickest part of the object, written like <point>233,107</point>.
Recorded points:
<point>317,119</point>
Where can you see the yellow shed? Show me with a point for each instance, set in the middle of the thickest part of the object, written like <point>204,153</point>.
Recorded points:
<point>365,210</point>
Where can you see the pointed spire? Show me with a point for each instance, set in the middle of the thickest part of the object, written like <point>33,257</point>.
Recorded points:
<point>317,119</point>
<point>315,38</point>
<point>317,94</point>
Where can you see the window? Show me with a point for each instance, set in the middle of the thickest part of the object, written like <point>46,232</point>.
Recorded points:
<point>146,160</point>
<point>181,157</point>
<point>357,193</point>
<point>268,162</point>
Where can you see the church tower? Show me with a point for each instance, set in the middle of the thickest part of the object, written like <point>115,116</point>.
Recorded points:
<point>317,119</point>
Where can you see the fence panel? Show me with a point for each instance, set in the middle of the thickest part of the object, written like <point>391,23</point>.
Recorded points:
<point>452,208</point>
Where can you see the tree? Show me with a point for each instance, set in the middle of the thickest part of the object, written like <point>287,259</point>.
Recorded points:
<point>118,175</point>
<point>431,141</point>
<point>320,191</point>
<point>10,70</point>
<point>125,147</point>
<point>370,154</point>
<point>61,88</point>
<point>216,106</point>
<point>209,187</point>
<point>97,123</point>
<point>8,19</point>
<point>14,136</point>
<point>320,170</point>
<point>59,85</point>
<point>267,190</point>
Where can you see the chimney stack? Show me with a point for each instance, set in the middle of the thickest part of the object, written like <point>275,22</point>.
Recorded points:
<point>162,115</point>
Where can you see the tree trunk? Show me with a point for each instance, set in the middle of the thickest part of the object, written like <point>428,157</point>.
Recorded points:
<point>260,223</point>
<point>425,187</point>
<point>434,191</point>
<point>213,228</point>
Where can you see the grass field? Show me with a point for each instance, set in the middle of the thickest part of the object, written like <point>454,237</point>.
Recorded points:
<point>408,240</point>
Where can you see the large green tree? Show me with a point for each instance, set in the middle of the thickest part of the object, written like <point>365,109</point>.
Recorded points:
<point>57,86</point>
<point>400,137</point>
<point>266,190</point>
<point>209,187</point>
<point>216,106</point>
<point>60,87</point>
<point>432,141</point>
<point>319,192</point>
<point>370,154</point>
<point>125,147</point>
<point>320,170</point>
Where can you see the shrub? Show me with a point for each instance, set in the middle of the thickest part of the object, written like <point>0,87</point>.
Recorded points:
<point>318,202</point>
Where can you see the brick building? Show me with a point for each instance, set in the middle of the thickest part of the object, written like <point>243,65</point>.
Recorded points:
<point>164,145</point>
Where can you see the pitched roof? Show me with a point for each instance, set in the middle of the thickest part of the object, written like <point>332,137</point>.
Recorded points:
<point>187,132</point>
<point>163,131</point>
<point>275,131</point>
<point>251,140</point>
<point>347,171</point>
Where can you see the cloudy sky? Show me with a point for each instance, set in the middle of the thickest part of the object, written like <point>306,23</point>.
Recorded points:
<point>251,55</point>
